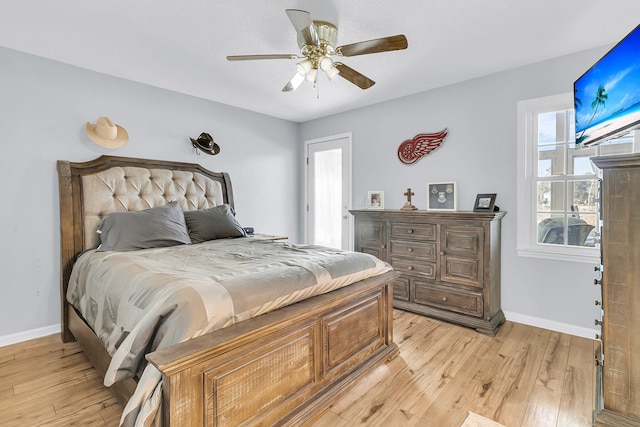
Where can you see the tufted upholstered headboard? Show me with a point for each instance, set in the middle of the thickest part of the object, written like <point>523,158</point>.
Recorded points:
<point>90,190</point>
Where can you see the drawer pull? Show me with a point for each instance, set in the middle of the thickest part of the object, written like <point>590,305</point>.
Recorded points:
<point>384,246</point>
<point>410,231</point>
<point>410,267</point>
<point>410,249</point>
<point>444,298</point>
<point>441,252</point>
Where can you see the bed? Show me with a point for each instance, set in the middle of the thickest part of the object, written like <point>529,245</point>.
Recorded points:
<point>281,361</point>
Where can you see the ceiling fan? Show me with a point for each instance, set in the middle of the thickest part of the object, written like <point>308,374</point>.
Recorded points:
<point>317,41</point>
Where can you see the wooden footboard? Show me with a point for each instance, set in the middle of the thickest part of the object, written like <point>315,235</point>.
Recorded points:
<point>281,368</point>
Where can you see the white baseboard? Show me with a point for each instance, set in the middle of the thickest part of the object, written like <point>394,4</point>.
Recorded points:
<point>511,316</point>
<point>538,322</point>
<point>29,335</point>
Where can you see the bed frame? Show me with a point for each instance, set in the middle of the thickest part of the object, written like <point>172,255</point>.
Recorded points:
<point>281,368</point>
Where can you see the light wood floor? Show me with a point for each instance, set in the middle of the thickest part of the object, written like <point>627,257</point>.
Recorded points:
<point>524,376</point>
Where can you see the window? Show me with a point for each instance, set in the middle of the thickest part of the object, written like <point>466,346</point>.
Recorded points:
<point>558,200</point>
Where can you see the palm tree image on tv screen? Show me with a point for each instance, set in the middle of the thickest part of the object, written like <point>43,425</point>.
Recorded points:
<point>607,96</point>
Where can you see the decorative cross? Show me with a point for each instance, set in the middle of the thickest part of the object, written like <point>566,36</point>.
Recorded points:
<point>409,193</point>
<point>407,205</point>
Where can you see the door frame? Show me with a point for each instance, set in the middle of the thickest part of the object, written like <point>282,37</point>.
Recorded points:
<point>305,162</point>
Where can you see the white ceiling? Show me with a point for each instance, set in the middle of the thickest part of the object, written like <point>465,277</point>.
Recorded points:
<point>182,45</point>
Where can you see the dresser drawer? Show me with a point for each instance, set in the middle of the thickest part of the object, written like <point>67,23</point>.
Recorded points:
<point>419,231</point>
<point>461,270</point>
<point>401,288</point>
<point>462,239</point>
<point>419,267</point>
<point>448,299</point>
<point>370,233</point>
<point>421,250</point>
<point>371,238</point>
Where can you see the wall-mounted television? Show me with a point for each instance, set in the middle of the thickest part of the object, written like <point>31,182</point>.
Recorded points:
<point>607,95</point>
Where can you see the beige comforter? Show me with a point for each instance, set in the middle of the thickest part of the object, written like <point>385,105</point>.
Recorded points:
<point>141,301</point>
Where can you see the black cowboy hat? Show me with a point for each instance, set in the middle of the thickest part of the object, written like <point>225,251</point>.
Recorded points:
<point>205,143</point>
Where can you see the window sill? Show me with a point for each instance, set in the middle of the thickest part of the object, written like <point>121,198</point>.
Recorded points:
<point>584,255</point>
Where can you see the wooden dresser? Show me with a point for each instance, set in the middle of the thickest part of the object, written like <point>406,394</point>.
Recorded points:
<point>450,262</point>
<point>620,289</point>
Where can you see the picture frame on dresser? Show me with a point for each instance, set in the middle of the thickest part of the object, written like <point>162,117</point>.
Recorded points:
<point>442,196</point>
<point>484,203</point>
<point>375,199</point>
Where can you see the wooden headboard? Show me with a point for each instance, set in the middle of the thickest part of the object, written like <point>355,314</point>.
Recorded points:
<point>90,190</point>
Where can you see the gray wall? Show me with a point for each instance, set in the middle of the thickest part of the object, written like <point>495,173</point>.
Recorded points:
<point>480,155</point>
<point>44,106</point>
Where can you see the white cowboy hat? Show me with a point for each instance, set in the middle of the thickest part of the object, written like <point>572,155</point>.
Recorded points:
<point>106,134</point>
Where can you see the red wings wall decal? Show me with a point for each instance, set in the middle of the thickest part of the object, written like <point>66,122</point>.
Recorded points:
<point>412,150</point>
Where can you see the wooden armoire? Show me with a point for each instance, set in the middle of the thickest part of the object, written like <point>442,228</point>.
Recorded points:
<point>620,289</point>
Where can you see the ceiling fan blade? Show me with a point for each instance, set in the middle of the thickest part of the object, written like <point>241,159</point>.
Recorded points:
<point>252,57</point>
<point>358,79</point>
<point>294,83</point>
<point>303,24</point>
<point>384,44</point>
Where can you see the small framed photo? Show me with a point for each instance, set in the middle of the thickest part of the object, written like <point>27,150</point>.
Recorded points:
<point>484,203</point>
<point>375,200</point>
<point>442,196</point>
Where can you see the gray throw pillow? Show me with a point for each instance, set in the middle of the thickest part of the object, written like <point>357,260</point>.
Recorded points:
<point>218,222</point>
<point>150,228</point>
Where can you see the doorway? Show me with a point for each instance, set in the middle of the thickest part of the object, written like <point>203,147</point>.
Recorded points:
<point>328,192</point>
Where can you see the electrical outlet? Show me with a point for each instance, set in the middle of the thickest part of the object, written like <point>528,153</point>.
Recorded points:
<point>360,202</point>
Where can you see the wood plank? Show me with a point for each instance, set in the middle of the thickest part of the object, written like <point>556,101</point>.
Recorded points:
<point>401,370</point>
<point>547,391</point>
<point>511,403</point>
<point>330,418</point>
<point>28,414</point>
<point>440,368</point>
<point>400,418</point>
<point>576,406</point>
<point>453,403</point>
<point>443,372</point>
<point>46,374</point>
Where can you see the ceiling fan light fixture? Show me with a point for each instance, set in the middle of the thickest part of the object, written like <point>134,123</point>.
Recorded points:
<point>326,63</point>
<point>311,75</point>
<point>304,67</point>
<point>332,72</point>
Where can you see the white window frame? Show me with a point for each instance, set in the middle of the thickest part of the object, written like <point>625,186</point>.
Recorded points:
<point>527,243</point>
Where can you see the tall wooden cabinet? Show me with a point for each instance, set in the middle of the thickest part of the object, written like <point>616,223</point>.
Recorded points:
<point>450,262</point>
<point>620,282</point>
